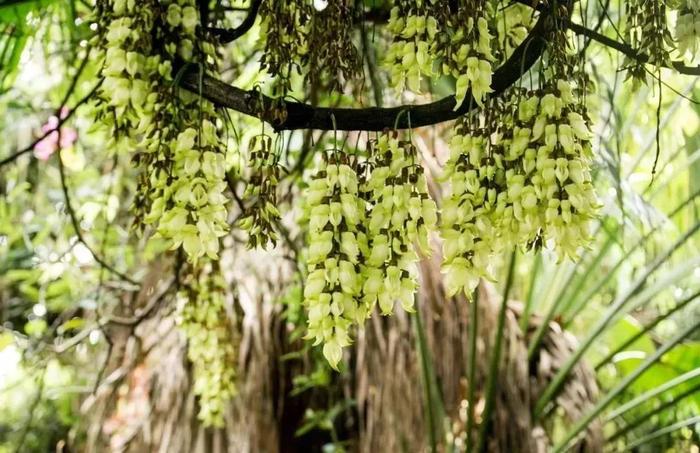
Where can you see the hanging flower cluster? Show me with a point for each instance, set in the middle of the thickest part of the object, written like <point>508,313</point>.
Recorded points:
<point>131,71</point>
<point>336,239</point>
<point>181,190</point>
<point>189,205</point>
<point>469,54</point>
<point>519,175</point>
<point>203,318</point>
<point>470,237</point>
<point>285,29</point>
<point>413,28</point>
<point>175,140</point>
<point>647,33</point>
<point>260,217</point>
<point>187,168</point>
<point>460,37</point>
<point>553,191</point>
<point>688,28</point>
<point>401,214</point>
<point>361,235</point>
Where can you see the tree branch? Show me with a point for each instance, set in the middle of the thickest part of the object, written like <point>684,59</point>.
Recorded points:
<point>231,34</point>
<point>283,115</point>
<point>628,50</point>
<point>617,45</point>
<point>295,115</point>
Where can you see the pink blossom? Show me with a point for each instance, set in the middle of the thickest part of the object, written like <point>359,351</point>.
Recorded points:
<point>49,144</point>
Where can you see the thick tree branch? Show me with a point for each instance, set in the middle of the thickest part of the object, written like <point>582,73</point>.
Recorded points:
<point>231,34</point>
<point>295,115</point>
<point>283,115</point>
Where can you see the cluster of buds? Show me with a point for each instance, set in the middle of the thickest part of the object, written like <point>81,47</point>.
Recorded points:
<point>414,29</point>
<point>203,318</point>
<point>332,55</point>
<point>468,56</point>
<point>688,28</point>
<point>647,33</point>
<point>336,241</point>
<point>285,29</point>
<point>261,216</point>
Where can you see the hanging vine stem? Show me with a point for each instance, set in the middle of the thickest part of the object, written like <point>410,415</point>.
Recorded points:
<point>76,224</point>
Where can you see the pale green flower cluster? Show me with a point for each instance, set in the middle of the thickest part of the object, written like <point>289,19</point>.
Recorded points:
<point>131,70</point>
<point>470,237</point>
<point>410,56</point>
<point>173,137</point>
<point>423,32</point>
<point>401,214</point>
<point>551,143</point>
<point>688,28</point>
<point>361,236</point>
<point>527,184</point>
<point>336,241</point>
<point>182,188</point>
<point>469,58</point>
<point>259,219</point>
<point>211,348</point>
<point>189,208</point>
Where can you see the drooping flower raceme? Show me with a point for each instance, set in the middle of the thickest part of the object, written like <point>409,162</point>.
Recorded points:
<point>260,217</point>
<point>132,69</point>
<point>336,240</point>
<point>469,56</point>
<point>470,235</point>
<point>410,55</point>
<point>552,136</point>
<point>174,138</point>
<point>203,318</point>
<point>364,222</point>
<point>190,209</point>
<point>401,215</point>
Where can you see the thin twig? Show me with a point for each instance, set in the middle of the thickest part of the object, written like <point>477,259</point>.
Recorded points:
<point>76,224</point>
